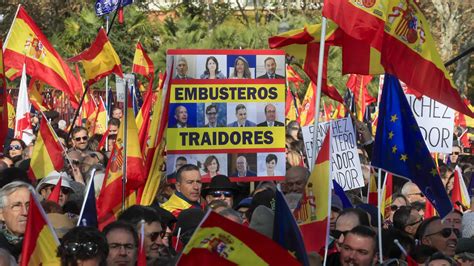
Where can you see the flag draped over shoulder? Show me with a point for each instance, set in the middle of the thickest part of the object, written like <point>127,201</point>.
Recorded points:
<point>314,207</point>
<point>399,30</point>
<point>47,153</point>
<point>142,63</point>
<point>233,242</point>
<point>40,241</point>
<point>399,147</point>
<point>100,59</point>
<point>286,231</point>
<point>26,44</point>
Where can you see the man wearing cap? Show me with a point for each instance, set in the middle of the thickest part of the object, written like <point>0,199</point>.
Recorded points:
<point>188,190</point>
<point>47,184</point>
<point>220,188</point>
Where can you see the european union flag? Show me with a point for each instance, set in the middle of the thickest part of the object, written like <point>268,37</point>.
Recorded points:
<point>400,149</point>
<point>286,231</point>
<point>88,216</point>
<point>137,99</point>
<point>346,203</point>
<point>103,7</point>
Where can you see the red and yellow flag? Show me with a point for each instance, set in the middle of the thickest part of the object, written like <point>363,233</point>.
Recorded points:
<point>40,242</point>
<point>358,85</point>
<point>3,101</point>
<point>234,243</point>
<point>11,112</point>
<point>400,31</point>
<point>47,153</point>
<point>316,202</point>
<point>307,109</point>
<point>142,63</point>
<point>372,196</point>
<point>56,192</point>
<point>100,59</point>
<point>99,125</point>
<point>387,196</point>
<point>26,44</point>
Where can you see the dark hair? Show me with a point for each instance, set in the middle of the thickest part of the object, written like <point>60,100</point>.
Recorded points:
<point>365,231</point>
<point>22,143</point>
<point>124,226</point>
<point>77,130</point>
<point>239,106</point>
<point>215,61</point>
<point>421,231</point>
<point>185,168</point>
<point>209,107</point>
<point>390,249</point>
<point>181,158</point>
<point>136,213</point>
<point>361,215</point>
<point>401,217</point>
<point>208,162</point>
<point>421,253</point>
<point>114,121</point>
<point>246,67</point>
<point>441,256</point>
<point>73,248</point>
<point>270,157</point>
<point>268,58</point>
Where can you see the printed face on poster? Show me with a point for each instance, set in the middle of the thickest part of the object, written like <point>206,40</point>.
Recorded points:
<point>225,116</point>
<point>345,162</point>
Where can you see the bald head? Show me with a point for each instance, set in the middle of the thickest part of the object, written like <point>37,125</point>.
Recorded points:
<point>411,191</point>
<point>295,180</point>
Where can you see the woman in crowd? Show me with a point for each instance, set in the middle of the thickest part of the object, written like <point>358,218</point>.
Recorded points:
<point>211,167</point>
<point>15,150</point>
<point>212,69</point>
<point>83,246</point>
<point>241,69</point>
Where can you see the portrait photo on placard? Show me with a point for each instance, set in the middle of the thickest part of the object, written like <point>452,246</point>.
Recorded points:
<point>271,164</point>
<point>182,115</point>
<point>211,66</point>
<point>241,114</point>
<point>212,115</point>
<point>212,165</point>
<point>242,164</point>
<point>241,66</point>
<point>270,114</point>
<point>184,67</point>
<point>270,67</point>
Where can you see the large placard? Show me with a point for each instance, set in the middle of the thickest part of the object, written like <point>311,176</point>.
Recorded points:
<point>226,113</point>
<point>345,163</point>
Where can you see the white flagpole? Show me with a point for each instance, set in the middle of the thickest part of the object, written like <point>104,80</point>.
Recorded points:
<point>89,185</point>
<point>9,31</point>
<point>379,217</point>
<point>318,90</point>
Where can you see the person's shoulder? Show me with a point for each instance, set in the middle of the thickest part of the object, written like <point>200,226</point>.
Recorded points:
<point>233,124</point>
<point>251,173</point>
<point>264,76</point>
<point>278,123</point>
<point>204,76</point>
<point>220,75</point>
<point>250,123</point>
<point>263,124</point>
<point>279,76</point>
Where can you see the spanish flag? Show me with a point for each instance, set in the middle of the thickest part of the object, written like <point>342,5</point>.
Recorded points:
<point>400,31</point>
<point>11,112</point>
<point>34,93</point>
<point>99,125</point>
<point>387,196</point>
<point>224,240</point>
<point>314,208</point>
<point>307,109</point>
<point>47,153</point>
<point>143,118</point>
<point>100,59</point>
<point>40,242</point>
<point>459,194</point>
<point>3,101</point>
<point>372,195</point>
<point>142,63</point>
<point>26,44</point>
<point>358,85</point>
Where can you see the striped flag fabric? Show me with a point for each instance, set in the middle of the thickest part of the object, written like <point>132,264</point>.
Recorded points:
<point>40,241</point>
<point>56,192</point>
<point>47,153</point>
<point>459,195</point>
<point>99,60</point>
<point>358,85</point>
<point>317,200</point>
<point>26,44</point>
<point>3,100</point>
<point>142,63</point>
<point>307,109</point>
<point>232,242</point>
<point>387,196</point>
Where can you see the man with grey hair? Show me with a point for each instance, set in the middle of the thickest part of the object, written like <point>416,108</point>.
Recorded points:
<point>182,69</point>
<point>411,191</point>
<point>14,204</point>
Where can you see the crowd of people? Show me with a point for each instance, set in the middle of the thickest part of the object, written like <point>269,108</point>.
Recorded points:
<point>168,224</point>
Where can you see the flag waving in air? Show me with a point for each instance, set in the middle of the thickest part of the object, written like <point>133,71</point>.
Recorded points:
<point>23,128</point>
<point>400,149</point>
<point>100,59</point>
<point>142,63</point>
<point>26,44</point>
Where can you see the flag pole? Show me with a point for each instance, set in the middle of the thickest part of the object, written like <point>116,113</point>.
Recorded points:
<point>9,31</point>
<point>86,89</point>
<point>89,185</point>
<point>124,149</point>
<point>107,79</point>
<point>318,90</point>
<point>379,217</point>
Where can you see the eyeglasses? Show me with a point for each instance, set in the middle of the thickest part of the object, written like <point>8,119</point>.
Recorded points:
<point>295,128</point>
<point>14,147</point>
<point>88,249</point>
<point>84,138</point>
<point>415,222</point>
<point>127,247</point>
<point>455,153</point>
<point>446,232</point>
<point>153,236</point>
<point>218,194</point>
<point>394,208</point>
<point>336,233</point>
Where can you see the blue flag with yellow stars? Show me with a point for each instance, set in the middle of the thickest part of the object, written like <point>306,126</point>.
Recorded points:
<point>399,147</point>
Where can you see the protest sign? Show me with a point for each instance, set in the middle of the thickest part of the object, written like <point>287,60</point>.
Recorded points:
<point>345,163</point>
<point>436,120</point>
<point>128,79</point>
<point>226,113</point>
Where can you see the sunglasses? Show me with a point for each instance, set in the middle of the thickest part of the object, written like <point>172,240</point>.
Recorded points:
<point>455,153</point>
<point>153,236</point>
<point>84,138</point>
<point>336,233</point>
<point>446,232</point>
<point>394,208</point>
<point>14,147</point>
<point>88,249</point>
<point>415,222</point>
<point>218,194</point>
<point>419,194</point>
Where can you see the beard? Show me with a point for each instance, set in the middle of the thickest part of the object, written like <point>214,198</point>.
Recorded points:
<point>293,199</point>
